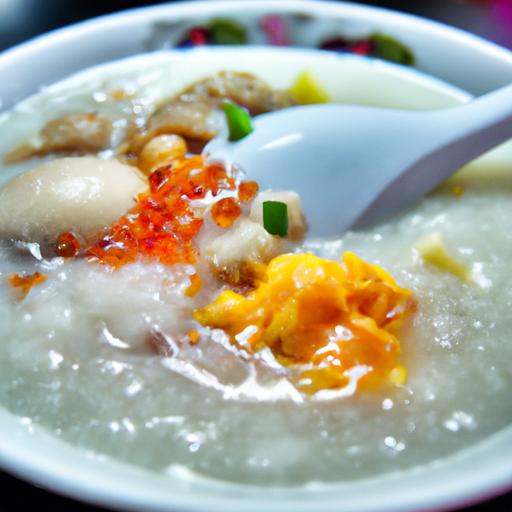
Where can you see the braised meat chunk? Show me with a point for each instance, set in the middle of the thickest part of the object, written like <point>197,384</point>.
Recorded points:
<point>79,134</point>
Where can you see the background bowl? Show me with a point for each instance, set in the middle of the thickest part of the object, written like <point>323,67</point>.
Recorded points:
<point>446,53</point>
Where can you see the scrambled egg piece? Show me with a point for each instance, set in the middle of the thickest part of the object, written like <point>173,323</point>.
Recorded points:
<point>433,251</point>
<point>335,323</point>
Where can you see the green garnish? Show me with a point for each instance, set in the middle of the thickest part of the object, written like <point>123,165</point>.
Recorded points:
<point>239,121</point>
<point>388,48</point>
<point>225,31</point>
<point>275,217</point>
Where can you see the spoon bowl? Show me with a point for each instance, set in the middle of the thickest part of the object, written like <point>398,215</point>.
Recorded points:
<point>355,165</point>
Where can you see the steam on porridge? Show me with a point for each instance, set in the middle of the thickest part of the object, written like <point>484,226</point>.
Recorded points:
<point>161,309</point>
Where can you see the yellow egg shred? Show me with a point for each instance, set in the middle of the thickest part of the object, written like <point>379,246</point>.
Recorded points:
<point>433,251</point>
<point>335,324</point>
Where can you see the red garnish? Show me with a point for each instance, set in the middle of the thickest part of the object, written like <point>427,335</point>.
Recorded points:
<point>225,212</point>
<point>198,36</point>
<point>364,47</point>
<point>275,29</point>
<point>162,226</point>
<point>247,190</point>
<point>67,245</point>
<point>25,283</point>
<point>359,47</point>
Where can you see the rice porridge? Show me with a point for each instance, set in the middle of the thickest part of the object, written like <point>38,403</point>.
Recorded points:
<point>145,352</point>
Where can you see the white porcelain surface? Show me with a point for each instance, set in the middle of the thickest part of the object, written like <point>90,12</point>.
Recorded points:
<point>450,54</point>
<point>350,185</point>
<point>478,472</point>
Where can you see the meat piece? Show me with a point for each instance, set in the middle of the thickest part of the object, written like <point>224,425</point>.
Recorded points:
<point>235,255</point>
<point>196,113</point>
<point>244,89</point>
<point>192,116</point>
<point>242,278</point>
<point>73,134</point>
<point>77,133</point>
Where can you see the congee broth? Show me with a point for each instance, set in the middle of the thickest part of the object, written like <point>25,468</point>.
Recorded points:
<point>160,309</point>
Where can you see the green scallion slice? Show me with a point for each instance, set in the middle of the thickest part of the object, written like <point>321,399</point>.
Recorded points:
<point>226,31</point>
<point>389,48</point>
<point>275,217</point>
<point>239,121</point>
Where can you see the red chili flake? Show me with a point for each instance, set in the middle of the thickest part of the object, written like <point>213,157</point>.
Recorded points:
<point>364,47</point>
<point>225,212</point>
<point>247,190</point>
<point>275,29</point>
<point>198,36</point>
<point>217,178</point>
<point>158,179</point>
<point>163,225</point>
<point>26,283</point>
<point>67,245</point>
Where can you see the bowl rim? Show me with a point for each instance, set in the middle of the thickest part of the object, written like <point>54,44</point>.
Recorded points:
<point>47,474</point>
<point>196,7</point>
<point>192,7</point>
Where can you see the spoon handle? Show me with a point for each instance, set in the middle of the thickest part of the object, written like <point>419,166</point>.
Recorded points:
<point>492,107</point>
<point>449,139</point>
<point>477,126</point>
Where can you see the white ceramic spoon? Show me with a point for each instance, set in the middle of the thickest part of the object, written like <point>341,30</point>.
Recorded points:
<point>354,165</point>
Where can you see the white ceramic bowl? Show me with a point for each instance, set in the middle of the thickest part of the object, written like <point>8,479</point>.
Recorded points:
<point>469,476</point>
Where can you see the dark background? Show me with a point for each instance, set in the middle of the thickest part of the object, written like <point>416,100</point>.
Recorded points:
<point>23,19</point>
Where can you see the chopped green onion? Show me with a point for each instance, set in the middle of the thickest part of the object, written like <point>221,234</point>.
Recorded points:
<point>239,121</point>
<point>275,217</point>
<point>388,48</point>
<point>226,31</point>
